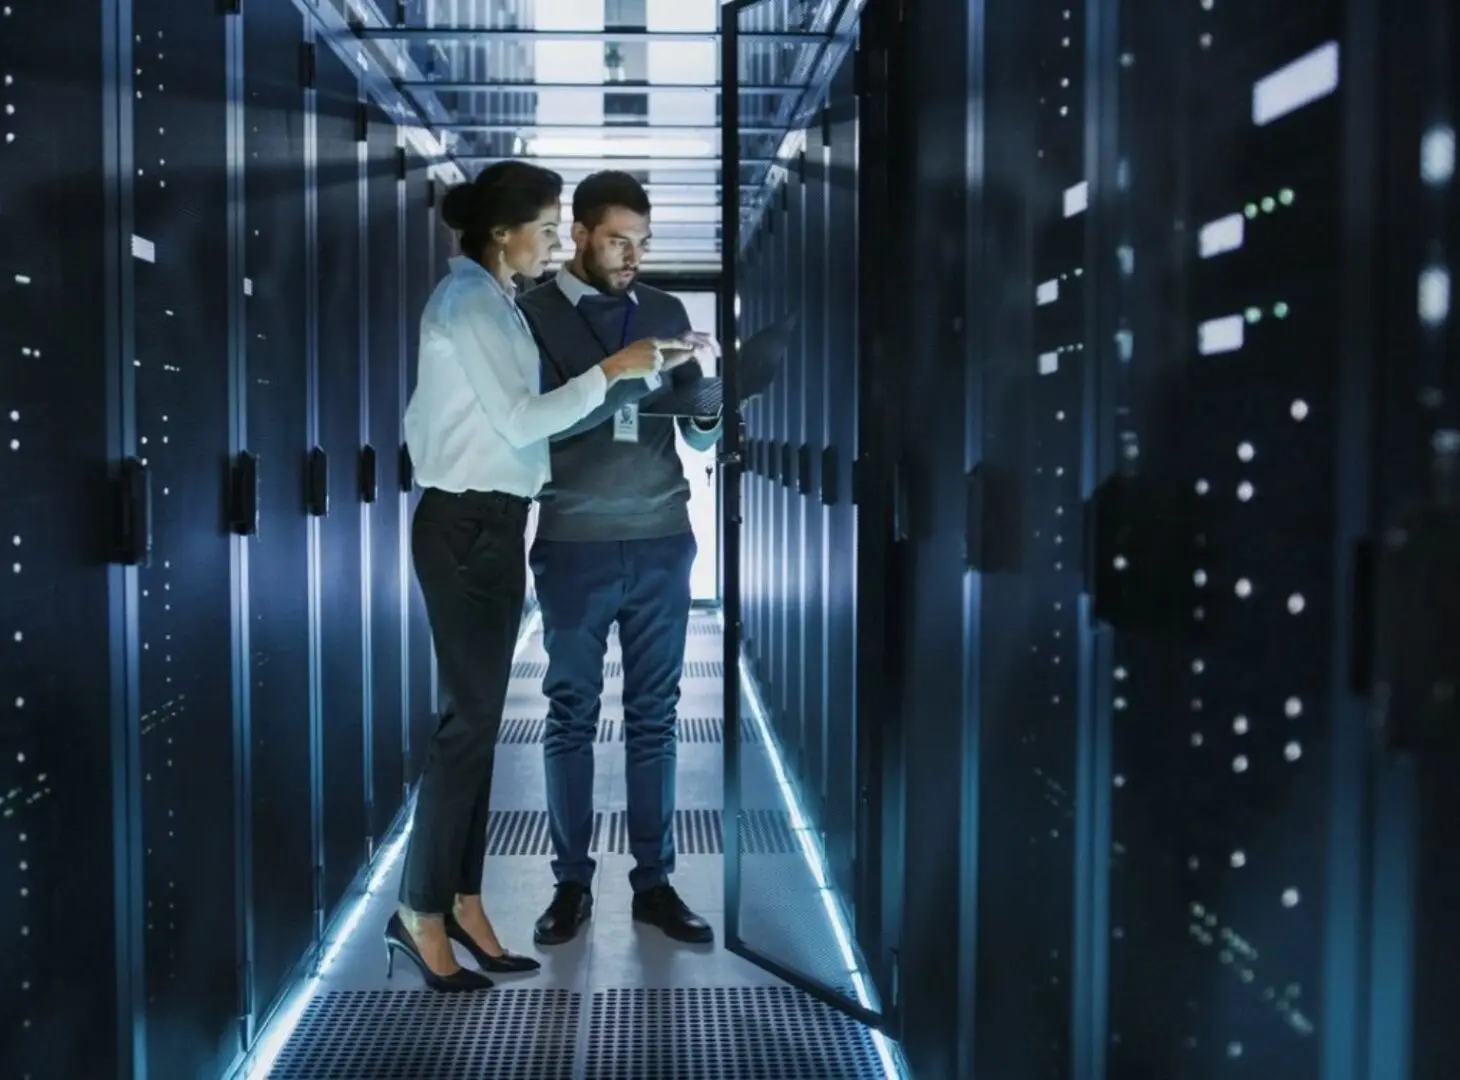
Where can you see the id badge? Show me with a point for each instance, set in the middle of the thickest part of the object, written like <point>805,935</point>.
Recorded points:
<point>626,423</point>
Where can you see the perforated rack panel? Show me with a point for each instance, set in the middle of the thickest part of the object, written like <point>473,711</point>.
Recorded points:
<point>385,313</point>
<point>183,308</point>
<point>56,354</point>
<point>1220,790</point>
<point>277,358</point>
<point>341,360</point>
<point>801,580</point>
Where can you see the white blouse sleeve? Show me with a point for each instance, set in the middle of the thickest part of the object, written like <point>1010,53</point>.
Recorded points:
<point>516,410</point>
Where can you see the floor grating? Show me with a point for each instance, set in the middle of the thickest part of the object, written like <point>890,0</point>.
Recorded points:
<point>526,832</point>
<point>717,1033</point>
<point>524,730</point>
<point>529,669</point>
<point>696,832</point>
<point>508,1034</point>
<point>614,669</point>
<point>702,832</point>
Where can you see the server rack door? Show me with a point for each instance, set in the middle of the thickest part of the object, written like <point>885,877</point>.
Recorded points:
<point>420,279</point>
<point>933,628</point>
<point>339,379</point>
<point>384,410</point>
<point>276,382</point>
<point>1033,446</point>
<point>782,908</point>
<point>183,307</point>
<point>62,813</point>
<point>843,790</point>
<point>1218,550</point>
<point>758,566</point>
<point>776,287</point>
<point>798,742</point>
<point>811,185</point>
<point>1416,666</point>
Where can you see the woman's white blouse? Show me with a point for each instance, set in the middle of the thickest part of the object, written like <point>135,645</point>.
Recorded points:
<point>476,421</point>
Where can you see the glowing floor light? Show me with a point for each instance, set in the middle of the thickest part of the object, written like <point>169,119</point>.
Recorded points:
<point>276,1033</point>
<point>887,1050</point>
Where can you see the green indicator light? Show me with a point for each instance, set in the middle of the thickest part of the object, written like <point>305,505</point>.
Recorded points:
<point>1250,210</point>
<point>1280,310</point>
<point>1254,314</point>
<point>1268,205</point>
<point>1285,196</point>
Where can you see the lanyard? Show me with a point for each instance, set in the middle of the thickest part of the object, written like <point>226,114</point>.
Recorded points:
<point>623,337</point>
<point>623,341</point>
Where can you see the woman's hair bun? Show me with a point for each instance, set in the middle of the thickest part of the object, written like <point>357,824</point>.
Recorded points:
<point>459,207</point>
<point>503,196</point>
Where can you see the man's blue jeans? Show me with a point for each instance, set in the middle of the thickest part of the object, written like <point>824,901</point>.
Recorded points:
<point>583,588</point>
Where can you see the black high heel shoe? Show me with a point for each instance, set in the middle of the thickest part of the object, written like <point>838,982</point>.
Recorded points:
<point>505,964</point>
<point>398,939</point>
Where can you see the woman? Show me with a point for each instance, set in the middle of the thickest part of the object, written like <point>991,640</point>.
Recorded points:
<point>476,428</point>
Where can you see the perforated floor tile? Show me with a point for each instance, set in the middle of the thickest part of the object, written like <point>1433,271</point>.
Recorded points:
<point>420,1035</point>
<point>526,832</point>
<point>724,1033</point>
<point>696,832</point>
<point>524,730</point>
<point>702,832</point>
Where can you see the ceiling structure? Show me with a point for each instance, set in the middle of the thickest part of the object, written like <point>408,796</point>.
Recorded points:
<point>583,85</point>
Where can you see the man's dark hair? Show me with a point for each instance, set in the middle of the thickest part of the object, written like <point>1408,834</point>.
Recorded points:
<point>596,195</point>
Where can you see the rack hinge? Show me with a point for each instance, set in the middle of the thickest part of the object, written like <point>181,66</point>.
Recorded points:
<point>306,65</point>
<point>319,893</point>
<point>973,518</point>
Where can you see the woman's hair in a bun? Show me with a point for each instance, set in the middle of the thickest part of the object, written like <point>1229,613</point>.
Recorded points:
<point>503,196</point>
<point>456,207</point>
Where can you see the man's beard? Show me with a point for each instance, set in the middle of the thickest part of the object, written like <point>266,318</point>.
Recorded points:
<point>596,276</point>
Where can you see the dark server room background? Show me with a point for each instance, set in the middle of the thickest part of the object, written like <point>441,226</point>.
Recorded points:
<point>1091,565</point>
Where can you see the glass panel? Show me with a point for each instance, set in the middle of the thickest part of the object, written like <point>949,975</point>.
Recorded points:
<point>794,747</point>
<point>700,466</point>
<point>471,50</point>
<point>587,66</point>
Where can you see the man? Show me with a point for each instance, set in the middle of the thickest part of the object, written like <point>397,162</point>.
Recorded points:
<point>613,544</point>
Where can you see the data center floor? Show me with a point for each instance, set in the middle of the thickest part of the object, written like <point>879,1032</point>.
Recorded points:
<point>622,1002</point>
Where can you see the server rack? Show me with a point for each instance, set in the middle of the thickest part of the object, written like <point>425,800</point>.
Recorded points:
<point>215,238</point>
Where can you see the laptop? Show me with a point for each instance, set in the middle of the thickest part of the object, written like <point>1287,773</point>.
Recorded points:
<point>760,360</point>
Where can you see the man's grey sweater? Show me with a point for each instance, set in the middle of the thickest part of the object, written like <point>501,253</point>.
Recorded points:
<point>602,488</point>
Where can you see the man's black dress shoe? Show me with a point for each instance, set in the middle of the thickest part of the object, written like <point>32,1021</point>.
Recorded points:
<point>572,905</point>
<point>661,906</point>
